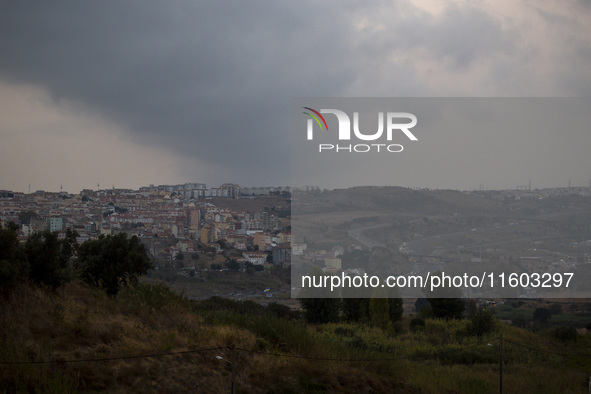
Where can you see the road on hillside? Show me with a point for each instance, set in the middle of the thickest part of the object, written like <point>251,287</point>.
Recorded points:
<point>357,234</point>
<point>415,247</point>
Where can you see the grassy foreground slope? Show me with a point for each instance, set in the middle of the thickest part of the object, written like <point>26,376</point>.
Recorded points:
<point>149,339</point>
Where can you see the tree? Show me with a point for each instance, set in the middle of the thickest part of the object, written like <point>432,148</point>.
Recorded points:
<point>25,216</point>
<point>321,310</point>
<point>396,309</point>
<point>356,310</point>
<point>385,308</point>
<point>542,315</point>
<point>113,260</point>
<point>379,310</point>
<point>445,301</point>
<point>233,265</point>
<point>423,307</point>
<point>446,308</point>
<point>14,266</point>
<point>49,257</point>
<point>482,322</point>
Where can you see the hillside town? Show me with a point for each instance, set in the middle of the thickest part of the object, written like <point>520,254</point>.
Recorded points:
<point>172,221</point>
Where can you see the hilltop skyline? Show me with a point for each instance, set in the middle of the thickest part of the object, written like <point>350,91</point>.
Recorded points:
<point>262,190</point>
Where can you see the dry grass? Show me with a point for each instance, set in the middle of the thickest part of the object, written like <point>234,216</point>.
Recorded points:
<point>79,323</point>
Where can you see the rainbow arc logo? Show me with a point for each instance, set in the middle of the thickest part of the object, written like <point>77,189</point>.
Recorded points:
<point>315,116</point>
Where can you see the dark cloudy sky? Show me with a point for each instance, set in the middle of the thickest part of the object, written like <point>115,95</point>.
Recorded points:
<point>129,93</point>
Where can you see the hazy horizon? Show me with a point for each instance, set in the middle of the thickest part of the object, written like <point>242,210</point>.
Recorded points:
<point>300,187</point>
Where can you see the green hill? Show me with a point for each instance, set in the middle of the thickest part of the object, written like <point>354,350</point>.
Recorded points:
<point>149,339</point>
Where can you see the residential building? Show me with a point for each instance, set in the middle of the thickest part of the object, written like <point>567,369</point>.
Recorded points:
<point>55,224</point>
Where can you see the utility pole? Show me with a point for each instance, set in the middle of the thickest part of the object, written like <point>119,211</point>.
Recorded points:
<point>232,364</point>
<point>501,363</point>
<point>233,387</point>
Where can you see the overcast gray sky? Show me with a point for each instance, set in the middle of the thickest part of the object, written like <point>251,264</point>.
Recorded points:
<point>129,93</point>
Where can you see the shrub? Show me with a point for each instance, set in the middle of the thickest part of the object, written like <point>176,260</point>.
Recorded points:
<point>220,304</point>
<point>282,311</point>
<point>151,297</point>
<point>566,334</point>
<point>343,332</point>
<point>555,309</point>
<point>417,323</point>
<point>519,322</point>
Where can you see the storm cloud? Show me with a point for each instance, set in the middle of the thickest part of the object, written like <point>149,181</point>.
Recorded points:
<point>211,82</point>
